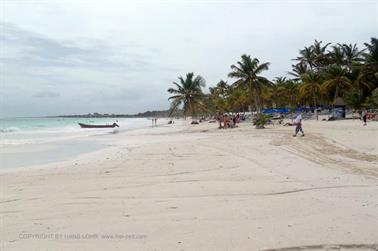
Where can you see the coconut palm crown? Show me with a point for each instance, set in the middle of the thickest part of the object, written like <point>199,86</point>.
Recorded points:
<point>188,94</point>
<point>247,72</point>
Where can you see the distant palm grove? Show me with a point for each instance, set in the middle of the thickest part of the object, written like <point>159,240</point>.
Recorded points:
<point>321,73</point>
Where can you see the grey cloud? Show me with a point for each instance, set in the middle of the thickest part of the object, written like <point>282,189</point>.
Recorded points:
<point>37,44</point>
<point>25,48</point>
<point>145,94</point>
<point>122,58</point>
<point>46,94</point>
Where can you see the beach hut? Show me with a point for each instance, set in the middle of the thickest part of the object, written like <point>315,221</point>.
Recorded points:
<point>338,108</point>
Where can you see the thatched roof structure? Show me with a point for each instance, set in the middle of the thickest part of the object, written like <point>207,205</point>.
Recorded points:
<point>339,102</point>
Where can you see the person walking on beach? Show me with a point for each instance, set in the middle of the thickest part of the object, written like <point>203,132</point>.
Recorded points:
<point>298,125</point>
<point>363,117</point>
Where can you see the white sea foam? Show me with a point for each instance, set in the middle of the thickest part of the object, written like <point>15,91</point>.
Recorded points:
<point>10,129</point>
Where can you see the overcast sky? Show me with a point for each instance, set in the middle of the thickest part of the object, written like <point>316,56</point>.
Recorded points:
<point>74,57</point>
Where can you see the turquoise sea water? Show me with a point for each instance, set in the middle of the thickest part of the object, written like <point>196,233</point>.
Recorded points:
<point>18,124</point>
<point>33,141</point>
<point>34,130</point>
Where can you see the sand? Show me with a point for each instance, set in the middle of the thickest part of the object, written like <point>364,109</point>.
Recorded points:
<point>195,187</point>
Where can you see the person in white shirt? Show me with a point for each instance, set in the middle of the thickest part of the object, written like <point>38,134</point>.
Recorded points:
<point>298,125</point>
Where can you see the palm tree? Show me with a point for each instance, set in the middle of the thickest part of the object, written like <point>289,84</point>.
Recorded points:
<point>237,99</point>
<point>321,56</point>
<point>371,58</point>
<point>290,91</point>
<point>275,92</point>
<point>311,85</point>
<point>247,71</point>
<point>307,57</point>
<point>352,55</point>
<point>279,81</point>
<point>372,101</point>
<point>354,99</point>
<point>187,93</point>
<point>336,79</point>
<point>337,55</point>
<point>218,96</point>
<point>298,70</point>
<point>221,88</point>
<point>315,56</point>
<point>368,75</point>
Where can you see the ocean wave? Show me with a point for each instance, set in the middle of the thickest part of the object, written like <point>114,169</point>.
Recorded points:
<point>10,129</point>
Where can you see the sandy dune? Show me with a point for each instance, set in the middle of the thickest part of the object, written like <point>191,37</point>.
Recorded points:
<point>200,188</point>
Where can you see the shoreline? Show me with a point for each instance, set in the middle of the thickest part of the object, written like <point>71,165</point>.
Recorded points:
<point>195,186</point>
<point>73,147</point>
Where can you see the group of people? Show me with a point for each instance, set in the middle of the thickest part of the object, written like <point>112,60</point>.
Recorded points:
<point>154,121</point>
<point>231,120</point>
<point>228,121</point>
<point>298,122</point>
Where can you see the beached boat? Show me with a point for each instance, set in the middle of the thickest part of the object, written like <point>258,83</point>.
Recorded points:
<point>97,126</point>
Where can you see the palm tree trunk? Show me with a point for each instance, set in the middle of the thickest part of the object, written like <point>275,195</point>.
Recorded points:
<point>316,110</point>
<point>193,111</point>
<point>256,103</point>
<point>336,93</point>
<point>334,98</point>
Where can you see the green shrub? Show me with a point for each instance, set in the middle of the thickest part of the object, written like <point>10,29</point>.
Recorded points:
<point>261,121</point>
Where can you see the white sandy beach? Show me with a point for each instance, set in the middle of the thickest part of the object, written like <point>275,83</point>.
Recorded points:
<point>195,187</point>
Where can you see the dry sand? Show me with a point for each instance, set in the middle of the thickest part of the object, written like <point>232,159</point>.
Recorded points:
<point>189,187</point>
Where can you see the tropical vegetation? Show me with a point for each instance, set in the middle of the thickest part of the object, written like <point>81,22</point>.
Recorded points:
<point>321,73</point>
<point>188,94</point>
